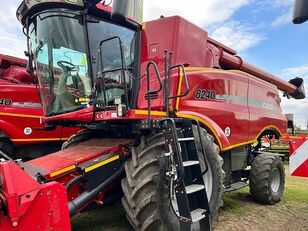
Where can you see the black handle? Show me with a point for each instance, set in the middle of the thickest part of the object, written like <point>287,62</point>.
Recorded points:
<point>157,75</point>
<point>185,79</point>
<point>148,85</point>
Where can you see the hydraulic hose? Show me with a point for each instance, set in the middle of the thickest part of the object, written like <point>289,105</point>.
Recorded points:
<point>83,199</point>
<point>5,156</point>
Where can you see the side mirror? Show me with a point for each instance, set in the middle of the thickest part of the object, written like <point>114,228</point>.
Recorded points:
<point>119,10</point>
<point>300,13</point>
<point>299,83</point>
<point>29,67</point>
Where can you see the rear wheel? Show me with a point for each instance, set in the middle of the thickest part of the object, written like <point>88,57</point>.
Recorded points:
<point>267,179</point>
<point>147,200</point>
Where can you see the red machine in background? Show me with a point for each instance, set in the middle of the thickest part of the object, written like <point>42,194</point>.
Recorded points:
<point>298,146</point>
<point>299,156</point>
<point>21,131</point>
<point>292,147</point>
<point>172,119</point>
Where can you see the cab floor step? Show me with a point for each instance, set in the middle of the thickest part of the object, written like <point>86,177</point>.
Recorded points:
<point>194,188</point>
<point>190,163</point>
<point>268,153</point>
<point>235,186</point>
<point>197,214</point>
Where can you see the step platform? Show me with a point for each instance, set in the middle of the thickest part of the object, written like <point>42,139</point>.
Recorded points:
<point>56,164</point>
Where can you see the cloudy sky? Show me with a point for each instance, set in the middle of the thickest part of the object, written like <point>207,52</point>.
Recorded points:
<point>260,30</point>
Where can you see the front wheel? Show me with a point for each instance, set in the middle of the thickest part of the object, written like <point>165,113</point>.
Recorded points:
<point>267,179</point>
<point>147,200</point>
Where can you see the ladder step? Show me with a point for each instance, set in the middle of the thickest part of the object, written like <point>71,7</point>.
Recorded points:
<point>190,163</point>
<point>197,214</point>
<point>186,139</point>
<point>236,186</point>
<point>194,188</point>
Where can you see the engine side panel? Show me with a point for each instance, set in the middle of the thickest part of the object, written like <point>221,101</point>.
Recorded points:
<point>264,108</point>
<point>239,104</point>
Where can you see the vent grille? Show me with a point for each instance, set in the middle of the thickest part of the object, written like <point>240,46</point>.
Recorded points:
<point>152,96</point>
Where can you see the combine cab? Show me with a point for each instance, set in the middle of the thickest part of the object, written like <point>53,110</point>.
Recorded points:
<point>172,116</point>
<point>21,131</point>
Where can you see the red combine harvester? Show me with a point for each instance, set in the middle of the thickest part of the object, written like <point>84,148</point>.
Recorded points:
<point>171,114</point>
<point>21,130</point>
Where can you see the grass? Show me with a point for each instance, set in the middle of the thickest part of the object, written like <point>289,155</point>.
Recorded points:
<point>101,219</point>
<point>296,188</point>
<point>296,191</point>
<point>238,204</point>
<point>232,202</point>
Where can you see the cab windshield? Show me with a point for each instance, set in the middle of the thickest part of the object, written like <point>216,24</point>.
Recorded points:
<point>58,43</point>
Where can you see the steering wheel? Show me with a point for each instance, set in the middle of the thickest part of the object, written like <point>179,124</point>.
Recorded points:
<point>67,65</point>
<point>111,83</point>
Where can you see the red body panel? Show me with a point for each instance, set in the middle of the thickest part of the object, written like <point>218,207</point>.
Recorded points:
<point>213,127</point>
<point>244,105</point>
<point>80,153</point>
<point>229,110</point>
<point>30,204</point>
<point>20,118</point>
<point>264,108</point>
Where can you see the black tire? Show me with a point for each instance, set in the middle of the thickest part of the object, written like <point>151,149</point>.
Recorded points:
<point>7,147</point>
<point>146,191</point>
<point>267,179</point>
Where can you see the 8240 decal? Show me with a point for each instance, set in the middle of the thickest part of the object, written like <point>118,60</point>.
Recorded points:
<point>5,102</point>
<point>205,94</point>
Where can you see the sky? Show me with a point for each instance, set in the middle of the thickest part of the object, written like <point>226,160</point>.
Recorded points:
<point>261,31</point>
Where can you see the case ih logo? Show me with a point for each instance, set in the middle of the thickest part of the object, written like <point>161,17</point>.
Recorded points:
<point>299,158</point>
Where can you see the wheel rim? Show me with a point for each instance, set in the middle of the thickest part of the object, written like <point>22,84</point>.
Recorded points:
<point>208,182</point>
<point>275,184</point>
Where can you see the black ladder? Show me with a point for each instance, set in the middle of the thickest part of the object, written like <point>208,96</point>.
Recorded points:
<point>187,186</point>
